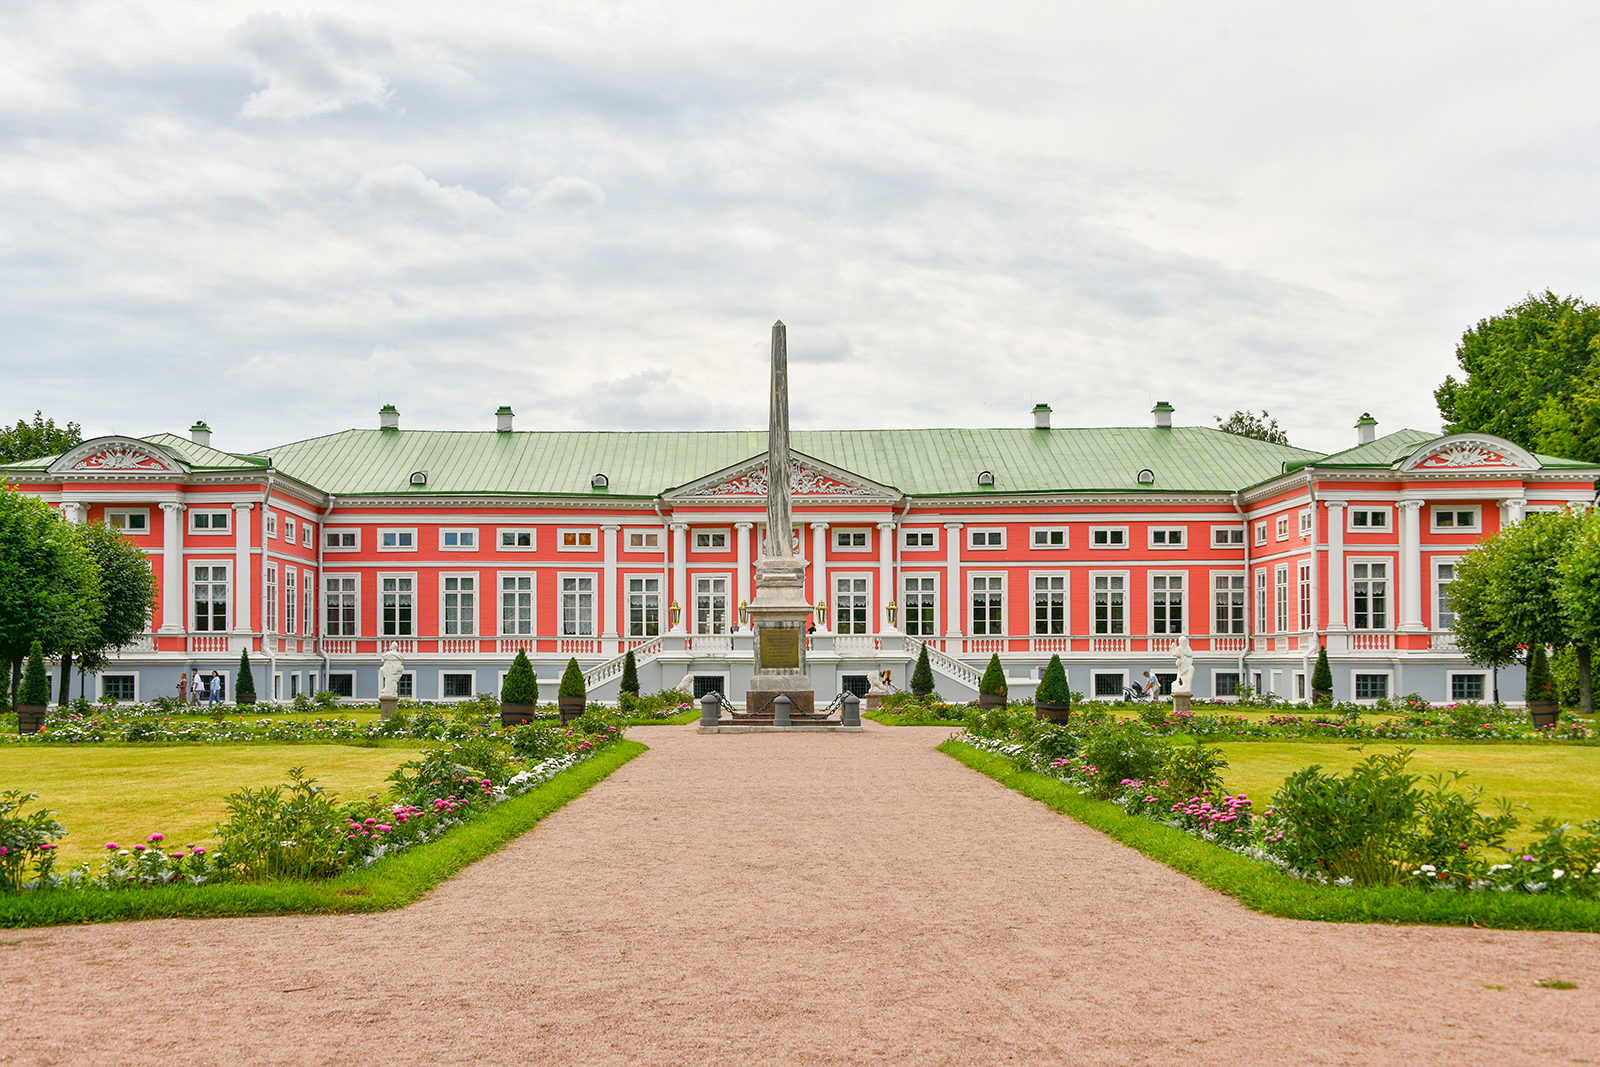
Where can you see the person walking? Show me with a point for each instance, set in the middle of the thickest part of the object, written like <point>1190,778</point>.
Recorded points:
<point>196,687</point>
<point>183,688</point>
<point>216,689</point>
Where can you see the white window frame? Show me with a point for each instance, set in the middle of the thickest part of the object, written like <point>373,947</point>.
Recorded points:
<point>1281,530</point>
<point>1226,672</point>
<point>416,614</point>
<point>500,592</point>
<point>100,684</point>
<point>406,681</point>
<point>1297,686</point>
<point>124,514</point>
<point>1303,599</point>
<point>1261,533</point>
<point>1242,590</point>
<point>1438,586</point>
<point>645,595</point>
<point>227,597</point>
<point>1259,582</point>
<point>1108,538</point>
<point>711,534</point>
<point>471,630</point>
<point>1122,684</point>
<point>1150,602</point>
<point>209,529</point>
<point>291,602</point>
<point>308,534</point>
<point>1369,510</point>
<point>439,683</point>
<point>1306,520</point>
<point>834,614</point>
<point>562,578</point>
<point>1040,538</point>
<point>269,518</point>
<point>935,628</point>
<point>1455,511</point>
<point>994,538</point>
<point>919,534</point>
<point>1385,672</point>
<point>844,538</point>
<point>1227,537</point>
<point>1389,591</point>
<point>1166,543</point>
<point>516,533</point>
<point>446,531</point>
<point>1280,598</point>
<point>322,602</point>
<point>269,599</point>
<point>577,534</point>
<point>730,610</point>
<point>399,533</point>
<point>288,529</point>
<point>1450,677</point>
<point>355,693</point>
<point>308,603</point>
<point>651,539</point>
<point>1066,602</point>
<point>1094,622</point>
<point>331,534</point>
<point>1005,604</point>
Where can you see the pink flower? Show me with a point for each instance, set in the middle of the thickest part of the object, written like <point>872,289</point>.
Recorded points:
<point>111,845</point>
<point>138,848</point>
<point>199,850</point>
<point>153,838</point>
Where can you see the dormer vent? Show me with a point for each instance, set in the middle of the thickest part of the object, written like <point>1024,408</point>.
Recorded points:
<point>388,417</point>
<point>986,478</point>
<point>1366,429</point>
<point>502,419</point>
<point>1163,413</point>
<point>1041,416</point>
<point>1147,477</point>
<point>419,478</point>
<point>200,434</point>
<point>599,481</point>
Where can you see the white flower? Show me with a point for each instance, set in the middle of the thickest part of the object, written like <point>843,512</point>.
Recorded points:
<point>1427,868</point>
<point>1557,873</point>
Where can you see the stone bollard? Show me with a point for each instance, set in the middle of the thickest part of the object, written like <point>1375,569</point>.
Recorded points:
<point>850,710</point>
<point>780,710</point>
<point>710,712</point>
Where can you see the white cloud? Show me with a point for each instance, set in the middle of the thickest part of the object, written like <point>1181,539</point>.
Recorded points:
<point>568,193</point>
<point>405,190</point>
<point>310,66</point>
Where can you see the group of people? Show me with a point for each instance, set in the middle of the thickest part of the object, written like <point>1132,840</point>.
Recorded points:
<point>192,688</point>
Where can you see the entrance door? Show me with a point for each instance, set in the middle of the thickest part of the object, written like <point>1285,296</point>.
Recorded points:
<point>711,605</point>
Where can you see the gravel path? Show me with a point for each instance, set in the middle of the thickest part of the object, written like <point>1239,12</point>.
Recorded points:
<point>799,899</point>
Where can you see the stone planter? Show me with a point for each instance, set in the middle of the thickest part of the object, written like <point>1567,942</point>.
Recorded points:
<point>30,718</point>
<point>571,707</point>
<point>244,700</point>
<point>1543,712</point>
<point>516,715</point>
<point>991,700</point>
<point>1321,698</point>
<point>1053,712</point>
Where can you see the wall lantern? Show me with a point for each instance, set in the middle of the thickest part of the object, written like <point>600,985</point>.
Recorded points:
<point>986,478</point>
<point>674,612</point>
<point>822,613</point>
<point>419,477</point>
<point>599,481</point>
<point>744,611</point>
<point>892,610</point>
<point>1147,477</point>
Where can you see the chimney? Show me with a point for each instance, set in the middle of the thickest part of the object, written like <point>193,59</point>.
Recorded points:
<point>200,434</point>
<point>502,419</point>
<point>1366,429</point>
<point>388,417</point>
<point>1163,413</point>
<point>1041,416</point>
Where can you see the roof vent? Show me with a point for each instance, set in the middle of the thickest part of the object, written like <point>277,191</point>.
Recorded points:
<point>388,417</point>
<point>419,477</point>
<point>1163,413</point>
<point>1041,416</point>
<point>599,481</point>
<point>502,419</point>
<point>1147,477</point>
<point>1366,429</point>
<point>200,434</point>
<point>986,478</point>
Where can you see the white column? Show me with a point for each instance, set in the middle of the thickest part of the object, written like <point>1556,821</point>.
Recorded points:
<point>680,573</point>
<point>1410,568</point>
<point>741,540</point>
<point>953,594</point>
<point>1511,510</point>
<point>1336,582</point>
<point>172,599</point>
<point>75,511</point>
<point>608,588</point>
<point>819,568</point>
<point>885,575</point>
<point>242,595</point>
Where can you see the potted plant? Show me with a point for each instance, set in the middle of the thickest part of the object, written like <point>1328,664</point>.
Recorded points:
<point>244,690</point>
<point>1322,680</point>
<point>922,675</point>
<point>1543,708</point>
<point>572,697</point>
<point>1053,700</point>
<point>992,688</point>
<point>519,693</point>
<point>34,695</point>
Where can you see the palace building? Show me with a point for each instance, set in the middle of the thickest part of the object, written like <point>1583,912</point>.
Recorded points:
<point>1103,545</point>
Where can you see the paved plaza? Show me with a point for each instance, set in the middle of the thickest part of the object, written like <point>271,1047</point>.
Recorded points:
<point>798,898</point>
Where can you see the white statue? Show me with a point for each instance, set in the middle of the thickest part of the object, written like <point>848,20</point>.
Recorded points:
<point>1185,658</point>
<point>389,673</point>
<point>686,685</point>
<point>881,685</point>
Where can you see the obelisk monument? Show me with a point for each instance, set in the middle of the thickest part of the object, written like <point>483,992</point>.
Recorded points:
<point>778,613</point>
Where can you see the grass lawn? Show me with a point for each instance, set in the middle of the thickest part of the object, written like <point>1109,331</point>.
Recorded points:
<point>1557,781</point>
<point>124,793</point>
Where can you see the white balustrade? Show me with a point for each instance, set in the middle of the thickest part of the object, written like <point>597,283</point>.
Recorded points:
<point>1108,644</point>
<point>458,646</point>
<point>1366,641</point>
<point>984,646</point>
<point>855,644</point>
<point>1163,644</point>
<point>208,643</point>
<point>1050,644</point>
<point>1442,641</point>
<point>568,646</point>
<point>338,646</point>
<point>710,644</point>
<point>519,644</point>
<point>1227,644</point>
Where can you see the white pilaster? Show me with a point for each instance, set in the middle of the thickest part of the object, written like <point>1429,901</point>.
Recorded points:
<point>1512,510</point>
<point>953,594</point>
<point>741,541</point>
<point>1410,565</point>
<point>819,567</point>
<point>75,511</point>
<point>608,587</point>
<point>1336,581</point>
<point>242,595</point>
<point>172,599</point>
<point>885,574</point>
<point>680,573</point>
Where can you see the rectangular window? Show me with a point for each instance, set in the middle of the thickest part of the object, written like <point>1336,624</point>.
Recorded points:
<point>308,604</point>
<point>458,540</point>
<point>397,540</point>
<point>1456,519</point>
<point>291,603</point>
<point>575,540</point>
<point>1049,537</point>
<point>269,600</point>
<point>1304,622</point>
<point>1299,685</point>
<point>208,521</point>
<point>851,541</point>
<point>1468,686</point>
<point>1371,686</point>
<point>454,685</point>
<point>643,541</point>
<point>271,520</point>
<point>1166,537</point>
<point>1305,522</point>
<point>577,605</point>
<point>405,686</point>
<point>711,540</point>
<point>644,607</point>
<point>986,539</point>
<point>1109,685</point>
<point>1166,604</point>
<point>1227,536</point>
<point>307,534</point>
<point>851,606</point>
<point>1261,601</point>
<point>460,604</point>
<point>342,684</point>
<point>1261,533</point>
<point>1227,598</point>
<point>339,592</point>
<point>398,606</point>
<point>988,606</point>
<point>918,607</point>
<point>1049,604</point>
<point>1369,596</point>
<point>288,528</point>
<point>1283,528</point>
<point>1225,683</point>
<point>921,539</point>
<point>210,598</point>
<point>1280,587</point>
<point>1369,520</point>
<point>517,540</point>
<point>516,604</point>
<point>1110,593</point>
<point>711,605</point>
<point>1108,537</point>
<point>118,686</point>
<point>129,521</point>
<point>341,540</point>
<point>1446,573</point>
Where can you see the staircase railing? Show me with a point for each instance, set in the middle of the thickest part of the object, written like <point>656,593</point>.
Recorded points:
<point>947,665</point>
<point>612,668</point>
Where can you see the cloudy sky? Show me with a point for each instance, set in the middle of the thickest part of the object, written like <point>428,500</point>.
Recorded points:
<point>280,219</point>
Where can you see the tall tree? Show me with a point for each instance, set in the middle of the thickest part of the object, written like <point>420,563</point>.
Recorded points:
<point>127,592</point>
<point>1579,593</point>
<point>49,583</point>
<point>1262,427</point>
<point>41,437</point>
<point>1532,375</point>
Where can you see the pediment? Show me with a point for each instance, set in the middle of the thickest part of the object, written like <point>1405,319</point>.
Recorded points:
<point>119,457</point>
<point>809,479</point>
<point>1470,452</point>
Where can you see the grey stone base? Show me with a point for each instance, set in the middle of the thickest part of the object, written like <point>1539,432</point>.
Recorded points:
<point>759,702</point>
<point>804,728</point>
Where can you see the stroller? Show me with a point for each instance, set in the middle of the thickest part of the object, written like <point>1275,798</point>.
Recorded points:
<point>1135,693</point>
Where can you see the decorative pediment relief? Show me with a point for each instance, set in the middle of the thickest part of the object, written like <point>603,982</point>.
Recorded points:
<point>115,456</point>
<point>808,478</point>
<point>1474,452</point>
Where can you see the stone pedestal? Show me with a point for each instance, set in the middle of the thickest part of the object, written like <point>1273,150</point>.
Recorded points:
<point>1180,700</point>
<point>387,706</point>
<point>764,701</point>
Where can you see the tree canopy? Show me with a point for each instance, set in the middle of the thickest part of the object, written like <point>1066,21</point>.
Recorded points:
<point>49,582</point>
<point>1261,426</point>
<point>41,437</point>
<point>1531,375</point>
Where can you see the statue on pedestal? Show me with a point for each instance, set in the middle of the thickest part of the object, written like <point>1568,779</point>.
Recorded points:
<point>389,673</point>
<point>1185,661</point>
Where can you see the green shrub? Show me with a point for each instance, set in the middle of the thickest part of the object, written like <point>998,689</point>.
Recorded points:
<point>572,684</point>
<point>521,685</point>
<point>1194,769</point>
<point>1053,684</point>
<point>303,703</point>
<point>533,741</point>
<point>1154,716</point>
<point>25,840</point>
<point>485,756</point>
<point>922,675</point>
<point>271,834</point>
<point>1119,754</point>
<point>1540,684</point>
<point>245,686</point>
<point>325,700</point>
<point>1322,674</point>
<point>630,675</point>
<point>1051,743</point>
<point>35,690</point>
<point>994,678</point>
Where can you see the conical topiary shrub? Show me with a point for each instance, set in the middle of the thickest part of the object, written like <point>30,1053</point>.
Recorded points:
<point>630,675</point>
<point>1322,679</point>
<point>1053,700</point>
<point>1543,707</point>
<point>572,697</point>
<point>922,675</point>
<point>244,689</point>
<point>992,688</point>
<point>34,694</point>
<point>519,692</point>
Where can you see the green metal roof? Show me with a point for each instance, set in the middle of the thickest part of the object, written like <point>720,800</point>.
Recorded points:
<point>923,462</point>
<point>202,457</point>
<point>1386,451</point>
